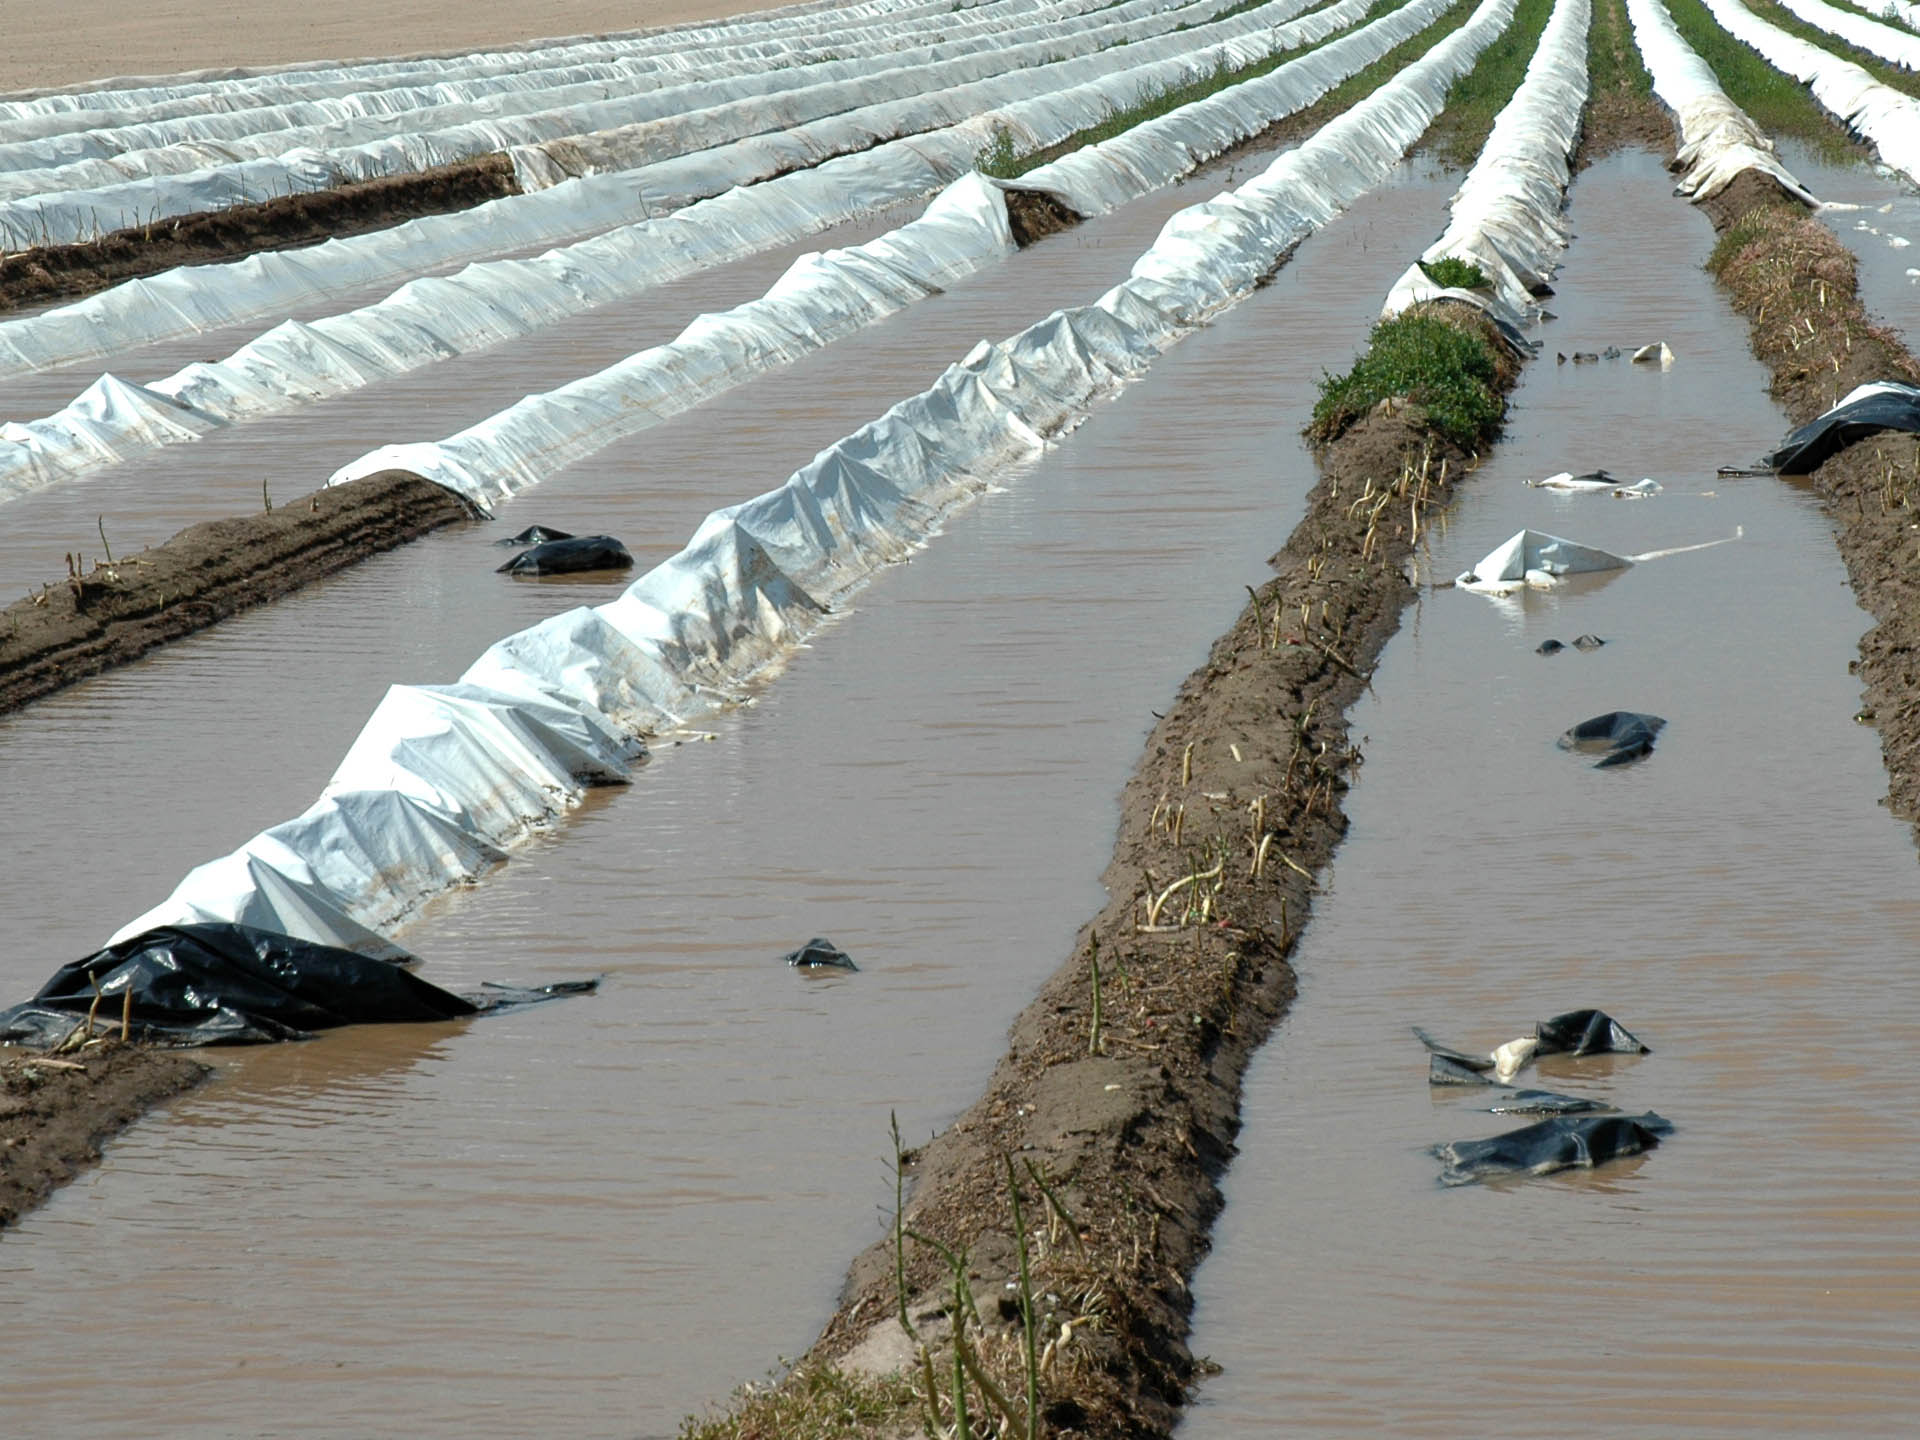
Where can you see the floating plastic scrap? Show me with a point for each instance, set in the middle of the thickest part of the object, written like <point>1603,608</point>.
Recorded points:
<point>1658,353</point>
<point>228,984</point>
<point>534,535</point>
<point>1442,1071</point>
<point>1577,1032</point>
<point>1597,482</point>
<point>1620,737</point>
<point>1535,560</point>
<point>1866,411</point>
<point>1580,642</point>
<point>1564,1142</point>
<point>821,953</point>
<point>570,556</point>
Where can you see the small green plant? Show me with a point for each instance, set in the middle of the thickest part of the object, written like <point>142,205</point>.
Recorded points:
<point>1453,273</point>
<point>1001,159</point>
<point>1445,369</point>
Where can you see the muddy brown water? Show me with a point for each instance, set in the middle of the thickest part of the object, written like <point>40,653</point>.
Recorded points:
<point>594,1217</point>
<point>1880,223</point>
<point>1737,899</point>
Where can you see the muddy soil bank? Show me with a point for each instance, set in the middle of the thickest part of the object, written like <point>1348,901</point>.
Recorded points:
<point>106,614</point>
<point>1117,1102</point>
<point>54,1113</point>
<point>52,273</point>
<point>1796,285</point>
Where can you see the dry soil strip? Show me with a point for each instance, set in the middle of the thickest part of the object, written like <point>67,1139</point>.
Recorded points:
<point>51,273</point>
<point>106,614</point>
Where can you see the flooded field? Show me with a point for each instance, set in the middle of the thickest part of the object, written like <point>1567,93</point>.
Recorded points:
<point>1737,900</point>
<point>594,1217</point>
<point>1876,214</point>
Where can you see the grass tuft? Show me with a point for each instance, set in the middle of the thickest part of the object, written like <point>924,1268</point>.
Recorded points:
<point>1422,356</point>
<point>815,1402</point>
<point>1455,273</point>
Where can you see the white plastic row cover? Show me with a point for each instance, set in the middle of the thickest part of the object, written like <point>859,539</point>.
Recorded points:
<point>445,778</point>
<point>258,105</point>
<point>827,296</point>
<point>822,298</point>
<point>1506,216</point>
<point>198,298</point>
<point>723,112</point>
<point>1718,140</point>
<point>1886,118</point>
<point>780,27</point>
<point>366,139</point>
<point>1902,47</point>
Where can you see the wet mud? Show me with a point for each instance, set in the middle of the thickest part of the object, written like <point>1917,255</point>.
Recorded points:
<point>107,612</point>
<point>52,273</point>
<point>1797,286</point>
<point>56,1113</point>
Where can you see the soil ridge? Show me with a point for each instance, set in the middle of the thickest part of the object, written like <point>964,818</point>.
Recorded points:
<point>48,274</point>
<point>112,613</point>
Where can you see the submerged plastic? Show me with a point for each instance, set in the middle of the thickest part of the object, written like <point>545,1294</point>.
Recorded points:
<point>569,555</point>
<point>1534,558</point>
<point>1587,1032</point>
<point>1866,411</point>
<point>1442,1071</point>
<point>222,984</point>
<point>534,535</point>
<point>820,953</point>
<point>1619,736</point>
<point>1565,1142</point>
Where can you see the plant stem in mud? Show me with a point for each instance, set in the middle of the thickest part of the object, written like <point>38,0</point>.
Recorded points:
<point>1026,1305</point>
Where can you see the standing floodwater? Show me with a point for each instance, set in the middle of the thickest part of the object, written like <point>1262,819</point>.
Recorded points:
<point>1735,898</point>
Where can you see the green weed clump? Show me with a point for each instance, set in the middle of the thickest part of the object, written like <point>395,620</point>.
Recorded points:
<point>1613,60</point>
<point>1448,371</point>
<point>1001,159</point>
<point>1454,273</point>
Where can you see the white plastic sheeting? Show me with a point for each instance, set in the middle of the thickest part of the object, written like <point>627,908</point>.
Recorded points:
<point>1506,216</point>
<point>755,578</point>
<point>722,112</point>
<point>1718,140</point>
<point>1901,47</point>
<point>198,298</point>
<point>820,300</point>
<point>816,303</point>
<point>1887,119</point>
<point>1535,560</point>
<point>818,125</point>
<point>269,106</point>
<point>724,102</point>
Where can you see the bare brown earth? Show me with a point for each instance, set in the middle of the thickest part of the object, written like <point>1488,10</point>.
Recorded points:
<point>106,614</point>
<point>1796,285</point>
<point>51,273</point>
<point>55,1113</point>
<point>83,40</point>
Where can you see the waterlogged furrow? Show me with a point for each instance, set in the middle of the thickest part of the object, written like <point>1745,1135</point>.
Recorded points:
<point>823,298</point>
<point>1718,140</point>
<point>425,800</point>
<point>869,176</point>
<point>1887,119</point>
<point>1506,217</point>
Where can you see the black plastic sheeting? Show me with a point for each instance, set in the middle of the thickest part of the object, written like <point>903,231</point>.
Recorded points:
<point>1577,1032</point>
<point>822,954</point>
<point>1891,406</point>
<point>570,556</point>
<point>1509,1100</point>
<point>1565,1142</point>
<point>535,535</point>
<point>222,984</point>
<point>1621,737</point>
